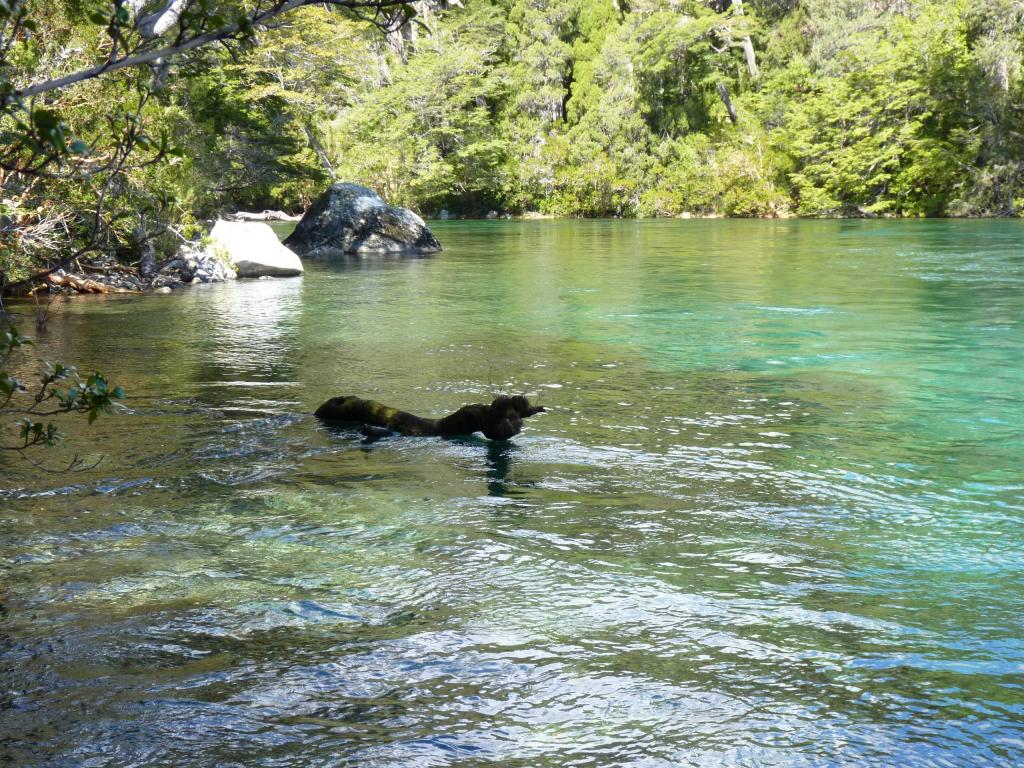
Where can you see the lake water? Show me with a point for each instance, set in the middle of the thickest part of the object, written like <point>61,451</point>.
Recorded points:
<point>774,516</point>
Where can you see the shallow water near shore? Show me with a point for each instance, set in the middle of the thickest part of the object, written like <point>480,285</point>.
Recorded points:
<point>774,517</point>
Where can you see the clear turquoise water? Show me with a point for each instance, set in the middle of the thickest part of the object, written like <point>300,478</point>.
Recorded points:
<point>775,516</point>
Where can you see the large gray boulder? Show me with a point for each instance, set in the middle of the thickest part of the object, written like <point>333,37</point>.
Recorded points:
<point>349,218</point>
<point>253,249</point>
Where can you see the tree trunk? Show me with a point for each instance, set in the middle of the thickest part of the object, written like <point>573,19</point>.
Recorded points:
<point>147,252</point>
<point>159,22</point>
<point>724,93</point>
<point>748,45</point>
<point>748,51</point>
<point>321,153</point>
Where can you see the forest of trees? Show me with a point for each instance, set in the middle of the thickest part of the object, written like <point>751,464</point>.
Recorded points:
<point>562,107</point>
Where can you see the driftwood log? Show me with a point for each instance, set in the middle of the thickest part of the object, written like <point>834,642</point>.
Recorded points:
<point>500,420</point>
<point>83,284</point>
<point>263,216</point>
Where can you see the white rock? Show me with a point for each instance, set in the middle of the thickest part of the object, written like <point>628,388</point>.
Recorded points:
<point>254,249</point>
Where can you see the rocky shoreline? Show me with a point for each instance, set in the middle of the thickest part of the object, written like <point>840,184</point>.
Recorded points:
<point>346,219</point>
<point>233,249</point>
<point>187,267</point>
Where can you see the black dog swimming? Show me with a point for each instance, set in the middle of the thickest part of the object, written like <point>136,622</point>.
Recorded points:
<point>500,420</point>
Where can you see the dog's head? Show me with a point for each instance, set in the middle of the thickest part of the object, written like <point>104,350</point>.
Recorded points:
<point>505,416</point>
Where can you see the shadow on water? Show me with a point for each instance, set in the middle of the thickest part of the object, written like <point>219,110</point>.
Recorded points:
<point>362,261</point>
<point>500,456</point>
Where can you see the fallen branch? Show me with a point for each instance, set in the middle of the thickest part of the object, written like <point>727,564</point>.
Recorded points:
<point>82,284</point>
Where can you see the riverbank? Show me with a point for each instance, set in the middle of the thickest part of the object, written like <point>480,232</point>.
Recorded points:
<point>106,275</point>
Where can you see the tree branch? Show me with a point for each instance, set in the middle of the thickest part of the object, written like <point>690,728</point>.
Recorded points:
<point>246,22</point>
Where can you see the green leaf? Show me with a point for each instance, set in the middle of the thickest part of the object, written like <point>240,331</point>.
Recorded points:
<point>12,339</point>
<point>9,385</point>
<point>45,119</point>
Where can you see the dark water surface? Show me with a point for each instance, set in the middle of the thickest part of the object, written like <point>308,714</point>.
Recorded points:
<point>775,516</point>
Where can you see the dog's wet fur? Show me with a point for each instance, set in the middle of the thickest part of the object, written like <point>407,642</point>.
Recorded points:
<point>500,420</point>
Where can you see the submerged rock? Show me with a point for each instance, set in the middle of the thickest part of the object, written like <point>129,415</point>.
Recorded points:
<point>253,249</point>
<point>349,218</point>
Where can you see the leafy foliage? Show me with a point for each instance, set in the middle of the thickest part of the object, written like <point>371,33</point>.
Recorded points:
<point>578,107</point>
<point>59,390</point>
<point>112,110</point>
<point>569,107</point>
